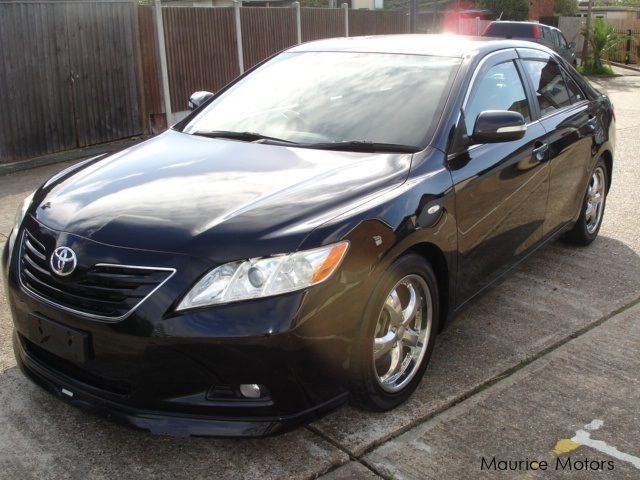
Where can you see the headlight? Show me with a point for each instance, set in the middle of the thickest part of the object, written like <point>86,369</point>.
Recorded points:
<point>264,277</point>
<point>20,214</point>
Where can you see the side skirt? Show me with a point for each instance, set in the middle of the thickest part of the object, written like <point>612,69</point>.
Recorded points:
<point>500,278</point>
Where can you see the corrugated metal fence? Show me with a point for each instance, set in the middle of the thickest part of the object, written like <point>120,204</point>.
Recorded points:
<point>77,73</point>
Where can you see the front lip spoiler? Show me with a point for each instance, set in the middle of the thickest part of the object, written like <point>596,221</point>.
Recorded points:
<point>163,423</point>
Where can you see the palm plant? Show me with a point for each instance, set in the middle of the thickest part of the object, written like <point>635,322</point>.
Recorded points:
<point>603,39</point>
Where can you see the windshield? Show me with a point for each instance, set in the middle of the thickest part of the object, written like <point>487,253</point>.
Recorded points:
<point>326,97</point>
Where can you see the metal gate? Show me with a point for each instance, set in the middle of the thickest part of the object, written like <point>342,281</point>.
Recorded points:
<point>68,76</point>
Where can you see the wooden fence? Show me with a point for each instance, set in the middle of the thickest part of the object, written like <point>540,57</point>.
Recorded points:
<point>627,49</point>
<point>373,22</point>
<point>201,50</point>
<point>201,43</point>
<point>68,77</point>
<point>626,31</point>
<point>318,23</point>
<point>266,31</point>
<point>76,73</point>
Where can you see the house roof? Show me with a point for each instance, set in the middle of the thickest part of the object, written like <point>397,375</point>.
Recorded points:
<point>609,8</point>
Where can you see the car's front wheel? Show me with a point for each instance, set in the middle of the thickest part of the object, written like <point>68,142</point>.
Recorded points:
<point>399,329</point>
<point>588,225</point>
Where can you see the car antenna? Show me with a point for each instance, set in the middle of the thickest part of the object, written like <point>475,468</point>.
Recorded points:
<point>500,17</point>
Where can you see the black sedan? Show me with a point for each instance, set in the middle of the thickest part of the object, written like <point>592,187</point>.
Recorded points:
<point>301,237</point>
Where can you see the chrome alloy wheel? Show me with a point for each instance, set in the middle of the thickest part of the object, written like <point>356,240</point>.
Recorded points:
<point>402,333</point>
<point>595,198</point>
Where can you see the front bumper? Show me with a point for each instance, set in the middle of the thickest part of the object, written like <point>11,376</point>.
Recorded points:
<point>178,374</point>
<point>156,422</point>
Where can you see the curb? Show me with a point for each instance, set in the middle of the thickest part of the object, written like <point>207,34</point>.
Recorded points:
<point>70,155</point>
<point>622,65</point>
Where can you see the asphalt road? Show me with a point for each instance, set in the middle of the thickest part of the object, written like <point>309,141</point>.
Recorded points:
<point>543,368</point>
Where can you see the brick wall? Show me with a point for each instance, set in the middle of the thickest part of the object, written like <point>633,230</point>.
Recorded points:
<point>540,8</point>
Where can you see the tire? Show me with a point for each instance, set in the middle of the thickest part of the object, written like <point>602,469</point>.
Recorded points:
<point>588,225</point>
<point>373,387</point>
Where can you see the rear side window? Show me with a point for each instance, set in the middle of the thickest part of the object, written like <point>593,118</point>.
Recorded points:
<point>499,88</point>
<point>549,84</point>
<point>574,90</point>
<point>512,30</point>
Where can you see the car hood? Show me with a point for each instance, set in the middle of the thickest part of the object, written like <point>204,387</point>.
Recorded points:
<point>215,198</point>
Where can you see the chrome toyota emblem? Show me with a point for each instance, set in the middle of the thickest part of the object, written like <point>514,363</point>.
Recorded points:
<point>63,261</point>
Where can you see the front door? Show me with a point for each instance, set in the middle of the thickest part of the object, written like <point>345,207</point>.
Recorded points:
<point>501,188</point>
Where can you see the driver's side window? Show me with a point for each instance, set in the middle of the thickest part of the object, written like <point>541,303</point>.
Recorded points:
<point>498,88</point>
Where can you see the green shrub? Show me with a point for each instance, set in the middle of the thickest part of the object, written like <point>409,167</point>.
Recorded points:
<point>603,39</point>
<point>589,69</point>
<point>566,8</point>
<point>510,9</point>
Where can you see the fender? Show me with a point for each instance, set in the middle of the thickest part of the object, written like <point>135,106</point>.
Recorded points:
<point>384,232</point>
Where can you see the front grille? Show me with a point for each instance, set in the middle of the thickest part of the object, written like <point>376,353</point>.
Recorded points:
<point>101,291</point>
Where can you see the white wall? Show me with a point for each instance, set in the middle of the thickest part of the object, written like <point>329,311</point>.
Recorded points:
<point>357,4</point>
<point>571,28</point>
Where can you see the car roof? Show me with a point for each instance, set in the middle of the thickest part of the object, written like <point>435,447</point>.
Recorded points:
<point>441,45</point>
<point>543,25</point>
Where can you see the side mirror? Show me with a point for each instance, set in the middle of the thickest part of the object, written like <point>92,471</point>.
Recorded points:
<point>198,98</point>
<point>572,45</point>
<point>493,126</point>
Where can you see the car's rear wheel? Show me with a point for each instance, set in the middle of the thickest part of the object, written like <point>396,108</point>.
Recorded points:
<point>399,329</point>
<point>588,225</point>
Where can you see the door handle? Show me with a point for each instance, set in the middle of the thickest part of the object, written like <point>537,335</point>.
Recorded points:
<point>591,123</point>
<point>540,151</point>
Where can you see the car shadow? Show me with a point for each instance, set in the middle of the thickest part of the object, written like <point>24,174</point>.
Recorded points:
<point>558,291</point>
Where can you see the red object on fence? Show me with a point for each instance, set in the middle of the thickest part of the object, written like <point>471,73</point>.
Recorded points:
<point>457,16</point>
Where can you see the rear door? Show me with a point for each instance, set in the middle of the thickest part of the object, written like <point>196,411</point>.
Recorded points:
<point>501,188</point>
<point>565,114</point>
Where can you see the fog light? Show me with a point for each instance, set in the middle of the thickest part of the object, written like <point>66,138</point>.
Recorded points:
<point>250,390</point>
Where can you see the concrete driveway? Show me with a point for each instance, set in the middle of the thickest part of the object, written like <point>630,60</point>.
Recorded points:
<point>543,367</point>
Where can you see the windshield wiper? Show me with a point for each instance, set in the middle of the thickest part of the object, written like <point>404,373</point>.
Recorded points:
<point>363,146</point>
<point>244,136</point>
<point>349,146</point>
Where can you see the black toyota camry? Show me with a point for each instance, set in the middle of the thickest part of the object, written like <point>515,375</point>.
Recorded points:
<point>301,237</point>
